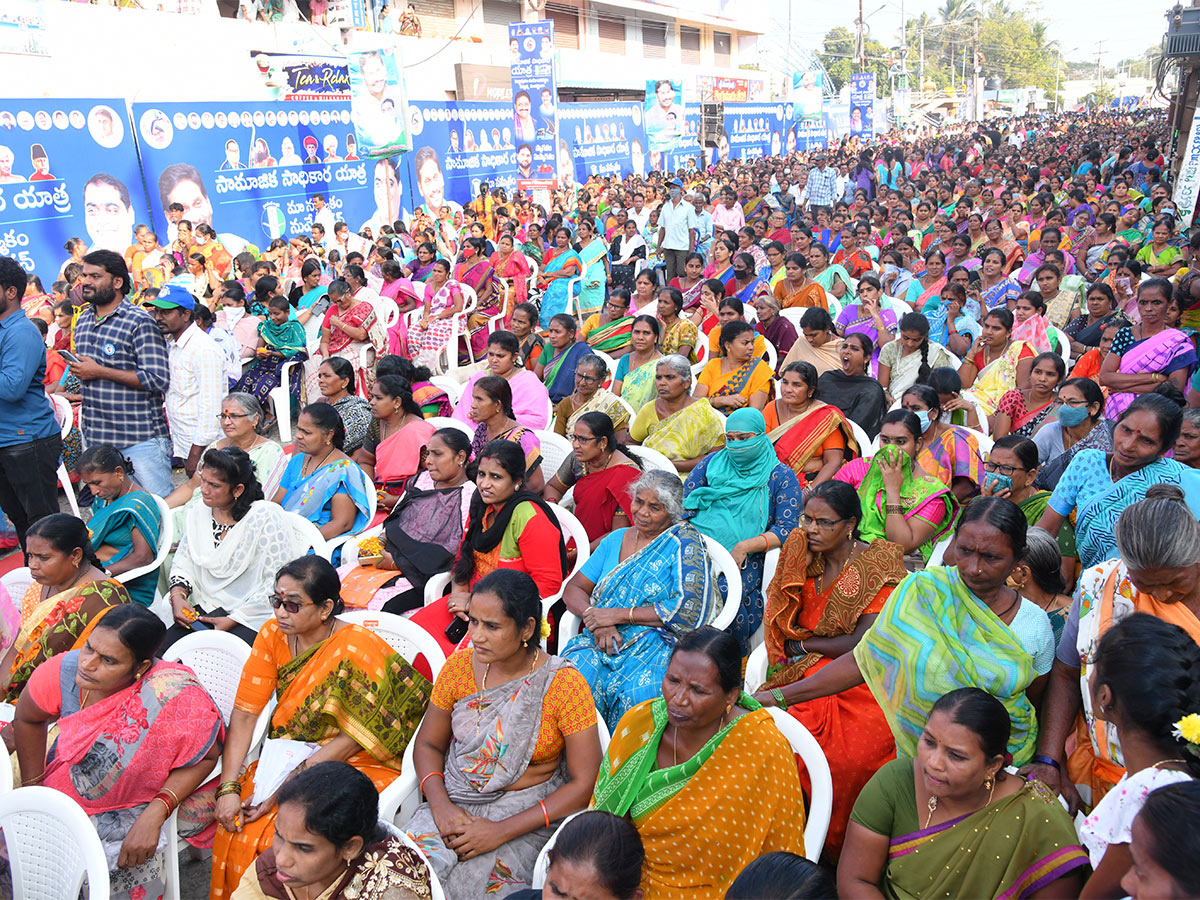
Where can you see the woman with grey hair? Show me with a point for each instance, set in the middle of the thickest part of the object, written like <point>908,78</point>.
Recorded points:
<point>241,418</point>
<point>1157,572</point>
<point>589,396</point>
<point>1039,578</point>
<point>683,428</point>
<point>641,588</point>
<point>1187,445</point>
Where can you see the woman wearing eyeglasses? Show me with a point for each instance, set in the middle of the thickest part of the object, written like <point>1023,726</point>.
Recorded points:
<point>231,546</point>
<point>321,671</point>
<point>601,469</point>
<point>828,589</point>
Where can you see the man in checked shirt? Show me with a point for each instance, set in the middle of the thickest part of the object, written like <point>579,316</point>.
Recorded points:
<point>122,364</point>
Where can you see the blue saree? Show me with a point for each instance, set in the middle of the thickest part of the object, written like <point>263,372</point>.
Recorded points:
<point>671,574</point>
<point>555,300</point>
<point>113,524</point>
<point>595,278</point>
<point>312,497</point>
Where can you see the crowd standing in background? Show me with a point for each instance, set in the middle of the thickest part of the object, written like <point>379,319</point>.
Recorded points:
<point>897,443</point>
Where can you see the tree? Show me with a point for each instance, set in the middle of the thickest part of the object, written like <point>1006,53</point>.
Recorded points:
<point>840,64</point>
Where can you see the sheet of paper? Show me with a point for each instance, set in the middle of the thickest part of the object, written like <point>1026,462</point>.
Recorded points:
<point>279,757</point>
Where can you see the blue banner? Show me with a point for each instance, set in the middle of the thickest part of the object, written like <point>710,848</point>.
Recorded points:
<point>687,147</point>
<point>752,131</point>
<point>457,146</point>
<point>862,106</point>
<point>664,114</point>
<point>535,104</point>
<point>251,169</point>
<point>606,138</point>
<point>68,168</point>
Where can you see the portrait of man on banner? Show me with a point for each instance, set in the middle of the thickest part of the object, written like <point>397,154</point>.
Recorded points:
<point>377,103</point>
<point>664,113</point>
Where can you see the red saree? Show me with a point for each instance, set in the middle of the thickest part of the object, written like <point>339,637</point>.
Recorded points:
<point>599,495</point>
<point>797,440</point>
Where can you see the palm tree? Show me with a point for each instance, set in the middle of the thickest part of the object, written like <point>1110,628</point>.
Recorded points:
<point>954,14</point>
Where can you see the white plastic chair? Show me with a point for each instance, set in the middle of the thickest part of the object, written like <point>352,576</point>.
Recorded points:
<point>308,535</point>
<point>574,285</point>
<point>437,892</point>
<point>52,846</point>
<point>166,536</point>
<point>62,413</point>
<point>281,401</point>
<point>541,866</point>
<point>630,411</point>
<point>724,565</point>
<point>406,638</point>
<point>1064,344</point>
<point>439,422</point>
<point>64,482</point>
<point>217,659</point>
<point>653,459</point>
<point>771,355</point>
<point>333,544</point>
<point>555,449</point>
<point>939,551</point>
<point>864,441</point>
<point>609,362</point>
<point>756,669</point>
<point>6,774</point>
<point>820,804</point>
<point>386,310</point>
<point>17,582</point>
<point>794,315</point>
<point>452,386</point>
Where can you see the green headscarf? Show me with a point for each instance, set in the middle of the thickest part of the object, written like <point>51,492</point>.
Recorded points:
<point>872,527</point>
<point>735,504</point>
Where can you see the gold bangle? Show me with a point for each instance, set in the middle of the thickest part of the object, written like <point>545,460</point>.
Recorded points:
<point>631,622</point>
<point>164,803</point>
<point>170,793</point>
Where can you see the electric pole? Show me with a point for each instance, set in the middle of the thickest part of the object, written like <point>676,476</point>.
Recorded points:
<point>860,51</point>
<point>922,59</point>
<point>975,113</point>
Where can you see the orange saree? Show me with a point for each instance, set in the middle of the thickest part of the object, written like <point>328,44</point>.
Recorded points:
<point>850,726</point>
<point>353,682</point>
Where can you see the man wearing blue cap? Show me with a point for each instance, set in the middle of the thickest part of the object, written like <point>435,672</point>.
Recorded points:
<point>677,229</point>
<point>198,382</point>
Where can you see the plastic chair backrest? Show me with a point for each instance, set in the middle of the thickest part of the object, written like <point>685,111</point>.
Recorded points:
<point>756,669</point>
<point>406,638</point>
<point>571,528</point>
<point>1064,345</point>
<point>555,448</point>
<point>820,807</point>
<point>64,482</point>
<point>308,535</point>
<point>452,386</point>
<point>166,537</point>
<point>217,659</point>
<point>17,582</point>
<point>654,459</point>
<point>62,413</point>
<point>794,315</point>
<point>864,441</point>
<point>723,564</point>
<point>52,846</point>
<point>541,865</point>
<point>439,422</point>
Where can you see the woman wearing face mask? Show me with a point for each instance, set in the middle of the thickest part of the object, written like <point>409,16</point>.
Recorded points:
<point>948,452</point>
<point>1144,356</point>
<point>1024,412</point>
<point>233,314</point>
<point>1079,425</point>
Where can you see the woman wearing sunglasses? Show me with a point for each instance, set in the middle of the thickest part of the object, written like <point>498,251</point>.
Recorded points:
<point>321,671</point>
<point>232,544</point>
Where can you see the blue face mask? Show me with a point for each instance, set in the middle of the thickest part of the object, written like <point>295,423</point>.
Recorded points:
<point>1070,416</point>
<point>923,418</point>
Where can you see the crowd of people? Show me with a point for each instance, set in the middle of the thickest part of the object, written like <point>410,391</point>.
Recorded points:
<point>925,411</point>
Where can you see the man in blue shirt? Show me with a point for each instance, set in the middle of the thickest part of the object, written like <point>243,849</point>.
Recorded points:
<point>30,439</point>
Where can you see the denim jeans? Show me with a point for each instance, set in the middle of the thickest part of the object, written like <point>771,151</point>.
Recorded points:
<point>151,465</point>
<point>29,481</point>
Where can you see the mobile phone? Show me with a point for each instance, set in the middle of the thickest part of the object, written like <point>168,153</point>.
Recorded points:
<point>68,356</point>
<point>456,631</point>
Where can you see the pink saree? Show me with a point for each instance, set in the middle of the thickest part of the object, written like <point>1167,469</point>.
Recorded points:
<point>1166,352</point>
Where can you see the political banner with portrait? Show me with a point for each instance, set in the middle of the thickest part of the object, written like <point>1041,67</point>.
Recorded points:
<point>752,131</point>
<point>664,113</point>
<point>457,147</point>
<point>535,103</point>
<point>862,106</point>
<point>606,138</point>
<point>251,170</point>
<point>68,168</point>
<point>377,105</point>
<point>808,93</point>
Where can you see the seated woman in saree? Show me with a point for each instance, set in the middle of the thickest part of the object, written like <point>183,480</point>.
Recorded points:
<point>475,271</point>
<point>796,289</point>
<point>556,365</point>
<point>641,589</point>
<point>524,329</point>
<point>948,452</point>
<point>395,444</point>
<point>69,593</point>
<point>280,340</point>
<point>627,248</point>
<point>431,334</point>
<point>868,317</point>
<point>821,345</point>
<point>1153,571</point>
<point>996,364</point>
<point>833,279</point>
<point>231,544</point>
<point>933,823</point>
<point>1097,486</point>
<point>241,419</point>
<point>485,819</point>
<point>679,335</point>
<point>703,773</point>
<point>601,470</point>
<point>1160,257</point>
<point>594,267</point>
<point>512,268</point>
<point>812,438</point>
<point>731,309</point>
<point>530,399</point>
<point>777,330</point>
<point>1078,425</point>
<point>509,527</point>
<point>738,377</point>
<point>925,290</point>
<point>644,300</point>
<point>587,397</point>
<point>335,378</point>
<point>910,358</point>
<point>322,672</point>
<point>419,268</point>
<point>828,589</point>
<point>348,327</point>
<point>1086,331</point>
<point>745,285</point>
<point>689,283</point>
<point>1144,356</point>
<point>859,397</point>
<point>329,838</point>
<point>901,501</point>
<point>609,330</point>
<point>683,428</point>
<point>136,740</point>
<point>491,408</point>
<point>421,533</point>
<point>1023,412</point>
<point>913,652</point>
<point>1010,251</point>
<point>633,381</point>
<point>749,502</point>
<point>321,482</point>
<point>560,265</point>
<point>126,520</point>
<point>1030,323</point>
<point>432,400</point>
<point>996,289</point>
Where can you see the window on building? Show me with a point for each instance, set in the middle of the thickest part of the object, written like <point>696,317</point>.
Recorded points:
<point>612,33</point>
<point>566,25</point>
<point>689,45</point>
<point>722,41</point>
<point>496,16</point>
<point>654,40</point>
